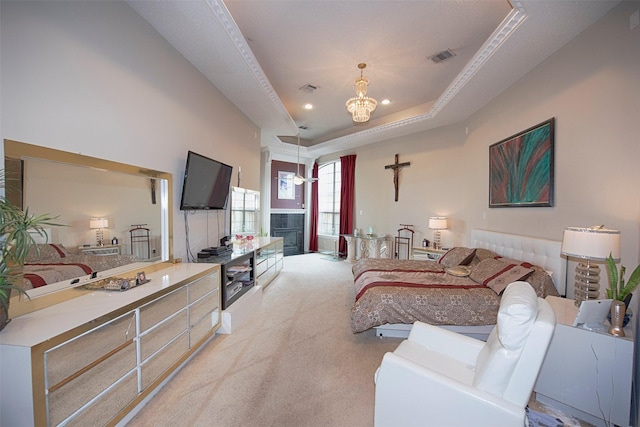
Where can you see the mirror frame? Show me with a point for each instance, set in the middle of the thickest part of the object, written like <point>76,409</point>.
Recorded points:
<point>18,303</point>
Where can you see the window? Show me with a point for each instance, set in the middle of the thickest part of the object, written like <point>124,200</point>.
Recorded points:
<point>329,180</point>
<point>245,211</point>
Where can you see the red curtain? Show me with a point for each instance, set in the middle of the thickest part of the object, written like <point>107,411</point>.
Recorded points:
<point>313,229</point>
<point>347,199</point>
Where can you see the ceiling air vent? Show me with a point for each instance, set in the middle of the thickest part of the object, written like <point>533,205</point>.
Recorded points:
<point>442,56</point>
<point>308,88</point>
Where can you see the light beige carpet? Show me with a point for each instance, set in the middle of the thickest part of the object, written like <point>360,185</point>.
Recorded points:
<point>294,362</point>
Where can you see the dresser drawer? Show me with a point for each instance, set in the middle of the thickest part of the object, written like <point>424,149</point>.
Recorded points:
<point>158,310</point>
<point>159,363</point>
<point>154,339</point>
<point>62,362</point>
<point>201,287</point>
<point>73,392</point>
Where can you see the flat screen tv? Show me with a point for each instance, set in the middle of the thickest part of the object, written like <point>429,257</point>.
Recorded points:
<point>206,183</point>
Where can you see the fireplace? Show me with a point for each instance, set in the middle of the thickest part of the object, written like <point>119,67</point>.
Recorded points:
<point>289,226</point>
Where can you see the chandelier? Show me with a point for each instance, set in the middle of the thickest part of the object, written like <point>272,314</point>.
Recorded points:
<point>361,105</point>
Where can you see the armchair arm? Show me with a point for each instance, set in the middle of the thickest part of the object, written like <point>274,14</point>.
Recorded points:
<point>444,341</point>
<point>410,395</point>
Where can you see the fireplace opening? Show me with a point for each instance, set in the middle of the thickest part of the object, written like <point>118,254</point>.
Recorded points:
<point>291,228</point>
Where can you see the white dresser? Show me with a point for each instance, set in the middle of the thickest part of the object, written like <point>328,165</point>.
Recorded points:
<point>90,360</point>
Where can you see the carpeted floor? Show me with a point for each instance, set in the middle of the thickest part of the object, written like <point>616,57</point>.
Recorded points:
<point>294,362</point>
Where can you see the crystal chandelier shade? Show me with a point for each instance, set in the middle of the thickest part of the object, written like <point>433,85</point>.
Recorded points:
<point>361,106</point>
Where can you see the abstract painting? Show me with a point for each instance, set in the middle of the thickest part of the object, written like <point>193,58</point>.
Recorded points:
<point>521,168</point>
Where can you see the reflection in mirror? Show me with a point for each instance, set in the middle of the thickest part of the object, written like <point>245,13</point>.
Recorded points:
<point>130,205</point>
<point>245,211</point>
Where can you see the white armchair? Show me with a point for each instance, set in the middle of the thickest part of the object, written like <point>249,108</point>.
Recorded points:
<point>440,378</point>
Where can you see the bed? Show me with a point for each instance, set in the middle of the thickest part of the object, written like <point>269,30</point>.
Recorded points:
<point>53,263</point>
<point>392,294</point>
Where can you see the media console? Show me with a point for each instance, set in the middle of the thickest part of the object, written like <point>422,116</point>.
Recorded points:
<point>237,273</point>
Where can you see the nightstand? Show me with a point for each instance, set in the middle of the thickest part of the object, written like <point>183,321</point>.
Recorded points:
<point>428,253</point>
<point>100,250</point>
<point>585,373</point>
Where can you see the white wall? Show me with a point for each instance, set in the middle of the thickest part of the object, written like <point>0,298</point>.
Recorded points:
<point>591,86</point>
<point>95,78</point>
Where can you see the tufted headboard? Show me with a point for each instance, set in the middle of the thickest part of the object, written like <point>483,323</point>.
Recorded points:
<point>542,252</point>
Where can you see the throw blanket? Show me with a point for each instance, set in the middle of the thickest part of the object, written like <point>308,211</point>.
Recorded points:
<point>403,291</point>
<point>436,278</point>
<point>42,274</point>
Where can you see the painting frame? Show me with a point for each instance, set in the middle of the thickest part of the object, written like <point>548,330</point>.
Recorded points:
<point>521,168</point>
<point>286,187</point>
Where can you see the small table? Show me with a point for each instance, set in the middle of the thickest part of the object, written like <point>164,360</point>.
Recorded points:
<point>100,250</point>
<point>370,246</point>
<point>427,253</point>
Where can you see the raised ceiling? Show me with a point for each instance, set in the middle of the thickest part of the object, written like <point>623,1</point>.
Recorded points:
<point>259,53</point>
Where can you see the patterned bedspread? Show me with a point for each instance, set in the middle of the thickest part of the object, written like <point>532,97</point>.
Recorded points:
<point>403,291</point>
<point>43,274</point>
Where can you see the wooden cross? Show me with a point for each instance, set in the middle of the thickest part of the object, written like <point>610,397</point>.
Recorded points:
<point>396,169</point>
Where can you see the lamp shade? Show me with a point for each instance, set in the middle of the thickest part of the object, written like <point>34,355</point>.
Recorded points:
<point>98,223</point>
<point>438,223</point>
<point>591,243</point>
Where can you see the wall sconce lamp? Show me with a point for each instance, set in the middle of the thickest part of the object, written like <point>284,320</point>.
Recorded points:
<point>99,224</point>
<point>590,244</point>
<point>437,223</point>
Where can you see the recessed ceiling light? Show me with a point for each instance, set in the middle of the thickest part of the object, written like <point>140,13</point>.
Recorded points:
<point>308,106</point>
<point>385,102</point>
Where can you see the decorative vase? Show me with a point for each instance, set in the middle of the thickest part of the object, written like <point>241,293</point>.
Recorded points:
<point>627,312</point>
<point>617,313</point>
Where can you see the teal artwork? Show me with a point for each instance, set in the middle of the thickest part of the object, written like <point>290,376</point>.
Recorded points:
<point>521,168</point>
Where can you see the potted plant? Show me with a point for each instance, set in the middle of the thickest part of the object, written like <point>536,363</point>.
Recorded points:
<point>16,239</point>
<point>618,289</point>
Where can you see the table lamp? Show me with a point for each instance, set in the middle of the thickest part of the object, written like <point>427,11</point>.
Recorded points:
<point>590,244</point>
<point>437,223</point>
<point>99,224</point>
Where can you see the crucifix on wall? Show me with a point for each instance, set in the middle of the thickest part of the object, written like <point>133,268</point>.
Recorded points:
<point>396,170</point>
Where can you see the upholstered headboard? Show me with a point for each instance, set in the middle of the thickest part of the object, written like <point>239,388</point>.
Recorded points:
<point>542,252</point>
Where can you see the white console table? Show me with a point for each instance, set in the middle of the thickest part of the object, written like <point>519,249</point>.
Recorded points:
<point>365,246</point>
<point>585,373</point>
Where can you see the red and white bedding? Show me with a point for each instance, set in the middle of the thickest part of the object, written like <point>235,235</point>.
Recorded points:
<point>52,263</point>
<point>43,274</point>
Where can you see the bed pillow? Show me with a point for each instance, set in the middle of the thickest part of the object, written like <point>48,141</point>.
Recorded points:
<point>457,256</point>
<point>482,254</point>
<point>539,279</point>
<point>48,251</point>
<point>497,274</point>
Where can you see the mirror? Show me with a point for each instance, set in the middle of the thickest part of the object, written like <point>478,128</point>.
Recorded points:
<point>126,202</point>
